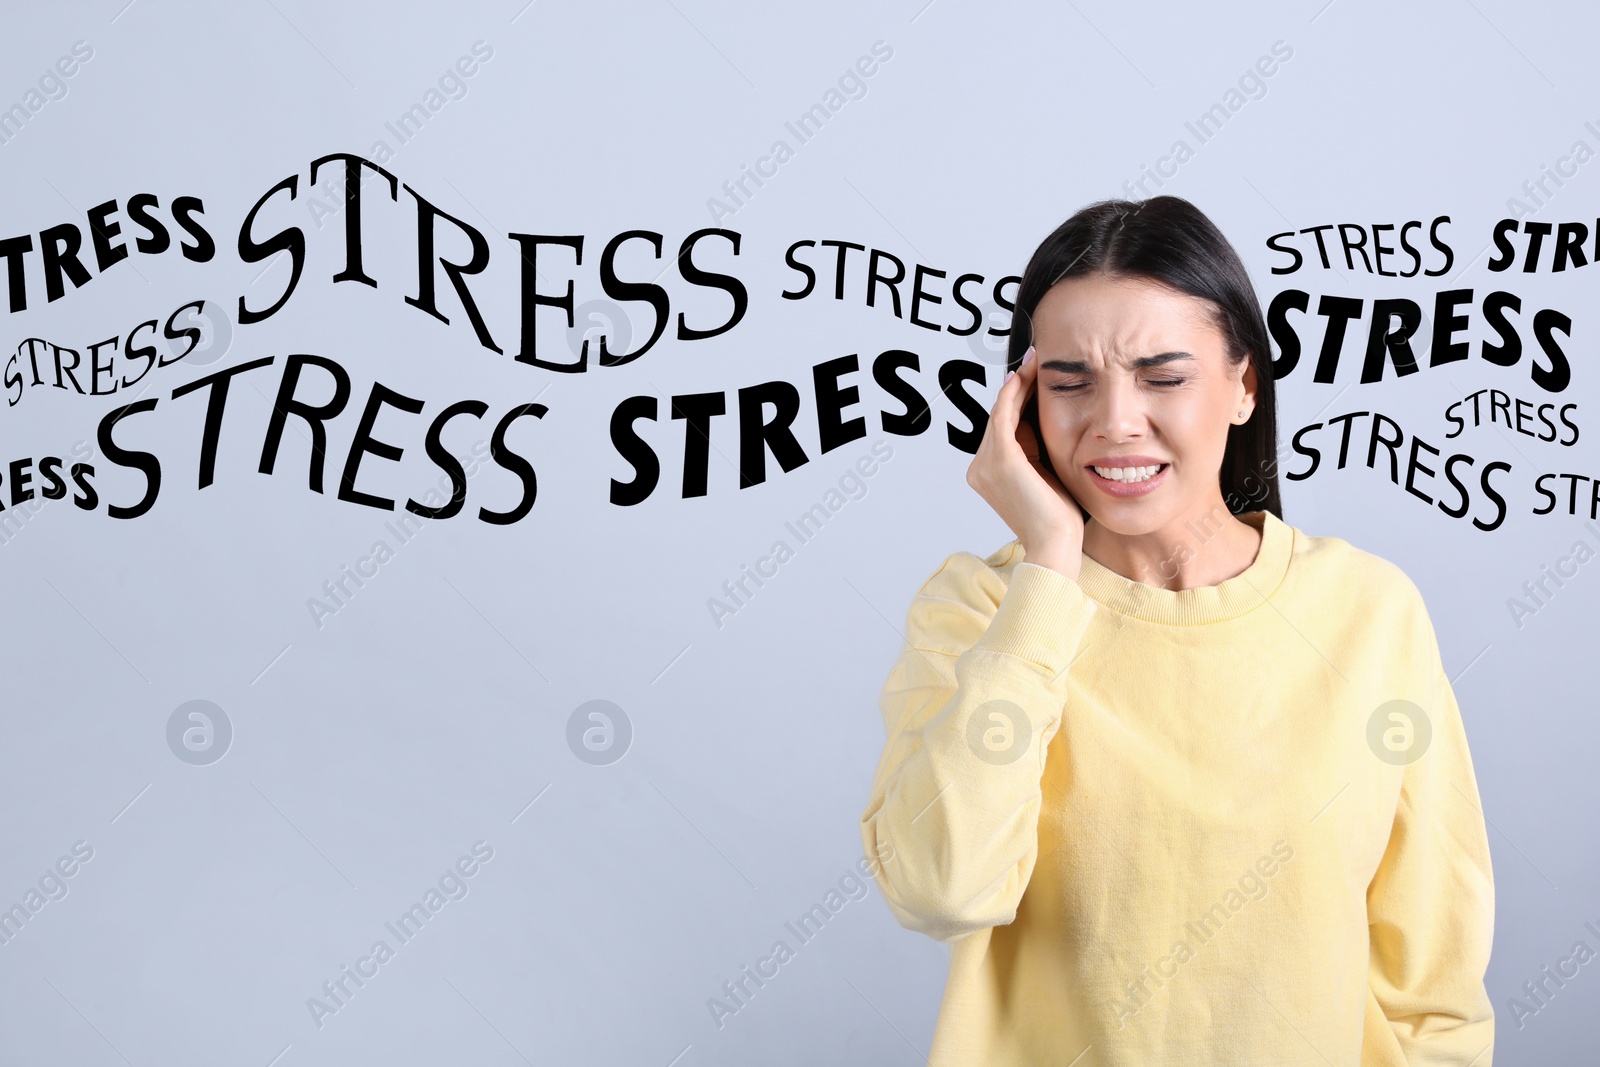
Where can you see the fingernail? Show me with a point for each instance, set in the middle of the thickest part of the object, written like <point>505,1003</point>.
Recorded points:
<point>1009,375</point>
<point>1028,354</point>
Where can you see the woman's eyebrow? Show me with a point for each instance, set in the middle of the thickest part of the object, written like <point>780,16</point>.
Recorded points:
<point>1079,366</point>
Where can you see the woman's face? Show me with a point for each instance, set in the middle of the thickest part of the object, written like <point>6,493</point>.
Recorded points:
<point>1135,374</point>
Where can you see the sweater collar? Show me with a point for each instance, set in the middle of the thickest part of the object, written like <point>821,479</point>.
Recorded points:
<point>1205,604</point>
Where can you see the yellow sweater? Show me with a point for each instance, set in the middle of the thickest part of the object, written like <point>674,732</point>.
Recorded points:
<point>1187,828</point>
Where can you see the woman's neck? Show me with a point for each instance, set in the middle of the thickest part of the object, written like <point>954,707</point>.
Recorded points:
<point>1200,548</point>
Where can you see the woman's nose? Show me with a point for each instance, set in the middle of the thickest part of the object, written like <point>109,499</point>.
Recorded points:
<point>1118,411</point>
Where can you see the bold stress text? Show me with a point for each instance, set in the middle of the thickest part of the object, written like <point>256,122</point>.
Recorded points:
<point>842,399</point>
<point>1394,331</point>
<point>1392,323</point>
<point>768,414</point>
<point>290,403</point>
<point>63,255</point>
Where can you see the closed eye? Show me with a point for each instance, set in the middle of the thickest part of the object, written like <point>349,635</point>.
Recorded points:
<point>1073,387</point>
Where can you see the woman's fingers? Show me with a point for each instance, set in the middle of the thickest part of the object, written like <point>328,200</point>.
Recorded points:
<point>1004,429</point>
<point>1028,440</point>
<point>1014,393</point>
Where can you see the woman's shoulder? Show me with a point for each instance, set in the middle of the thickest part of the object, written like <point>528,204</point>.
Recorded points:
<point>1334,561</point>
<point>963,593</point>
<point>969,577</point>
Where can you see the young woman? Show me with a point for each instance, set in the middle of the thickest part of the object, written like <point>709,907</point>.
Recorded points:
<point>1179,783</point>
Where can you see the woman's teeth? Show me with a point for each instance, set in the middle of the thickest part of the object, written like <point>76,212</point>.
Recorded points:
<point>1128,474</point>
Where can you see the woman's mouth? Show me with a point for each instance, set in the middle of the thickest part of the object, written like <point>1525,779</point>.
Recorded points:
<point>1128,481</point>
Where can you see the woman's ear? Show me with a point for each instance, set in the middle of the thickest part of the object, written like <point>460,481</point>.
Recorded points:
<point>1247,383</point>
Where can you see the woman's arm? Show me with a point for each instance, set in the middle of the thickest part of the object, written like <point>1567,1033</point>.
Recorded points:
<point>1430,906</point>
<point>970,707</point>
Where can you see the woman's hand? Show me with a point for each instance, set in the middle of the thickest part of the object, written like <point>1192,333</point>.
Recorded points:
<point>1007,473</point>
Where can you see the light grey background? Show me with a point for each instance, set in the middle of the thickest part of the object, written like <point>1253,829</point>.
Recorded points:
<point>426,715</point>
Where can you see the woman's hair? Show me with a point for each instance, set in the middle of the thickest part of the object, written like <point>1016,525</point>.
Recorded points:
<point>1168,240</point>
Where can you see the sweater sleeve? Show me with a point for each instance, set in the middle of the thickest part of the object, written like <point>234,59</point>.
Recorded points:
<point>1430,905</point>
<point>970,707</point>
